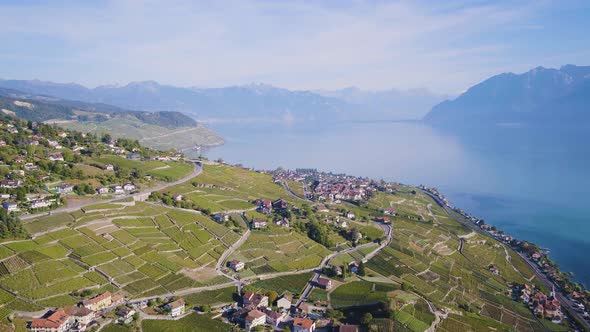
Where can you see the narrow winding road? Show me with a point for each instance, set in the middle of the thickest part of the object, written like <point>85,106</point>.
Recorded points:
<point>317,272</point>
<point>196,172</point>
<point>565,302</point>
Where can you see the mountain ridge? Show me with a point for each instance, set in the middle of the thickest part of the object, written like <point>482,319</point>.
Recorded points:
<point>536,97</point>
<point>259,101</point>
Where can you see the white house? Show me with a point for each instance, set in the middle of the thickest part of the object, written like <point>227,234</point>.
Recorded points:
<point>236,265</point>
<point>10,206</point>
<point>259,224</point>
<point>102,190</point>
<point>129,187</point>
<point>255,318</point>
<point>176,308</point>
<point>284,302</point>
<point>56,157</point>
<point>65,188</point>
<point>40,203</point>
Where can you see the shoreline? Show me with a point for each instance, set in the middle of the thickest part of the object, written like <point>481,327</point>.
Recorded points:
<point>546,270</point>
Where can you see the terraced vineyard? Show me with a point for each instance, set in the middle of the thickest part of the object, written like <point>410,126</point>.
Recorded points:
<point>424,256</point>
<point>149,250</point>
<point>139,248</point>
<point>279,251</point>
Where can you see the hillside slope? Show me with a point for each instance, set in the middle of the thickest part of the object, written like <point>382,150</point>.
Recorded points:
<point>539,97</point>
<point>98,117</point>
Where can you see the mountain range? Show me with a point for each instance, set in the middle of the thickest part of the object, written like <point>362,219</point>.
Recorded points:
<point>539,97</point>
<point>258,102</point>
<point>41,107</point>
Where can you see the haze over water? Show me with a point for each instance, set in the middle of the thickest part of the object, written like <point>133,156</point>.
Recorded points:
<point>533,184</point>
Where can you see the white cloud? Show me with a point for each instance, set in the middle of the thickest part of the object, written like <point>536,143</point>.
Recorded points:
<point>301,45</point>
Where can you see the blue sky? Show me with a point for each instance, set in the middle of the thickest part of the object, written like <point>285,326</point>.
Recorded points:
<point>444,46</point>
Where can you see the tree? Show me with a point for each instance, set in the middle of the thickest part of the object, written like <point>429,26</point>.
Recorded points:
<point>205,308</point>
<point>361,270</point>
<point>366,319</point>
<point>272,297</point>
<point>335,314</point>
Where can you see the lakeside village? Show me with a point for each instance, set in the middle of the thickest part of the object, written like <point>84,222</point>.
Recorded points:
<point>546,306</point>
<point>41,164</point>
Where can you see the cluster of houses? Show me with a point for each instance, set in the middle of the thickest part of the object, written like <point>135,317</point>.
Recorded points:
<point>267,206</point>
<point>542,305</point>
<point>89,314</point>
<point>117,189</point>
<point>334,188</point>
<point>76,318</point>
<point>256,311</point>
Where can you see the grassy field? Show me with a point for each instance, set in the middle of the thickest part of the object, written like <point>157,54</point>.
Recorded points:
<point>278,250</point>
<point>190,323</point>
<point>293,284</point>
<point>212,297</point>
<point>359,293</point>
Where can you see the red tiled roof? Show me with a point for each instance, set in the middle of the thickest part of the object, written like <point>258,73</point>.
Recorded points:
<point>255,314</point>
<point>305,323</point>
<point>176,304</point>
<point>98,298</point>
<point>55,320</point>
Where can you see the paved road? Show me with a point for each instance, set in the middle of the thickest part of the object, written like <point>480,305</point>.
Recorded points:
<point>286,186</point>
<point>388,232</point>
<point>565,302</point>
<point>198,169</point>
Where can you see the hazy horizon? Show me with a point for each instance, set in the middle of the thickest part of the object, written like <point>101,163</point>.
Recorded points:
<point>375,46</point>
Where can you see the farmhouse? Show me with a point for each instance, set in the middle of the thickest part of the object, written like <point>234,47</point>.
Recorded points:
<point>236,265</point>
<point>384,220</point>
<point>220,217</point>
<point>274,318</point>
<point>98,302</point>
<point>57,321</point>
<point>40,203</point>
<point>125,315</point>
<point>254,318</point>
<point>324,283</point>
<point>259,224</point>
<point>118,190</point>
<point>10,184</point>
<point>80,317</point>
<point>109,167</point>
<point>102,190</point>
<point>175,308</point>
<point>390,212</point>
<point>65,188</point>
<point>285,302</point>
<point>129,186</point>
<point>10,206</point>
<point>56,157</point>
<point>254,300</point>
<point>279,204</point>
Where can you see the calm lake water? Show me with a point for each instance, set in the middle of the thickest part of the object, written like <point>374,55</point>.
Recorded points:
<point>533,184</point>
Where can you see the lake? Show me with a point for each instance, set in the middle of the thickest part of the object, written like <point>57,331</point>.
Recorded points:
<point>533,184</point>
